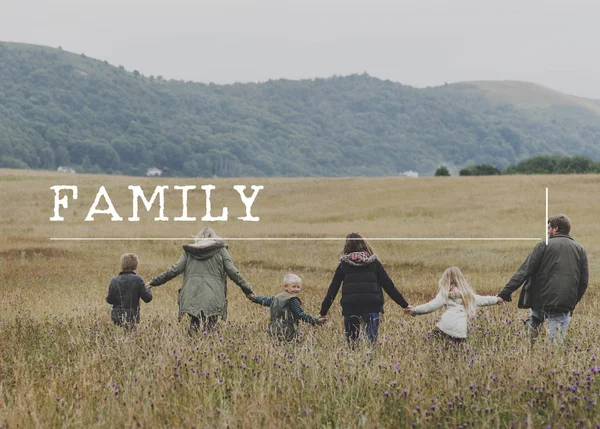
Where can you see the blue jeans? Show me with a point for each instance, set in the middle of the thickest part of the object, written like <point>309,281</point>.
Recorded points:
<point>353,323</point>
<point>558,322</point>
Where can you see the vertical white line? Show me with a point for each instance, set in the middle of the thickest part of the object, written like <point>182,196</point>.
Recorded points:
<point>546,222</point>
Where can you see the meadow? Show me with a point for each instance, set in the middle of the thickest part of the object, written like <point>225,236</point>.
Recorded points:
<point>64,364</point>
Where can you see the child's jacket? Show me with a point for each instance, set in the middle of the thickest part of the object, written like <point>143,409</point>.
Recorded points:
<point>286,312</point>
<point>454,319</point>
<point>284,324</point>
<point>124,293</point>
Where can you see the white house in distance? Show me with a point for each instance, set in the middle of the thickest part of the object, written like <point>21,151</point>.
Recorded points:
<point>153,171</point>
<point>409,173</point>
<point>63,169</point>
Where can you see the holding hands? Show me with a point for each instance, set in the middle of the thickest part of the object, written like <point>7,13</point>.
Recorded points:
<point>409,310</point>
<point>321,320</point>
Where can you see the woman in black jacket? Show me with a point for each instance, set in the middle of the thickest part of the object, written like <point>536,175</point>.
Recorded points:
<point>363,280</point>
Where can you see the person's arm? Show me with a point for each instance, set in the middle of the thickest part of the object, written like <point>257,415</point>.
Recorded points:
<point>263,300</point>
<point>528,268</point>
<point>299,313</point>
<point>111,298</point>
<point>484,301</point>
<point>234,274</point>
<point>435,304</point>
<point>388,286</point>
<point>144,292</point>
<point>584,276</point>
<point>171,272</point>
<point>334,287</point>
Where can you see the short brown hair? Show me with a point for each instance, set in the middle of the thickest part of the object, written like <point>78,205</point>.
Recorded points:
<point>562,222</point>
<point>129,261</point>
<point>356,243</point>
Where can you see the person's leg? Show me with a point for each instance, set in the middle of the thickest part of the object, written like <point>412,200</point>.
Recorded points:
<point>352,328</point>
<point>194,325</point>
<point>371,321</point>
<point>210,322</point>
<point>533,325</point>
<point>558,322</point>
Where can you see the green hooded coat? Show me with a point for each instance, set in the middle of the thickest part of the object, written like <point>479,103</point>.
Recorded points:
<point>205,265</point>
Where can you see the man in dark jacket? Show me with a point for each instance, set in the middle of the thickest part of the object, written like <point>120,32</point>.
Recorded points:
<point>557,274</point>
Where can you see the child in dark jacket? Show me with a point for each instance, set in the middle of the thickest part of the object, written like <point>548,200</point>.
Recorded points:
<point>362,279</point>
<point>286,310</point>
<point>125,291</point>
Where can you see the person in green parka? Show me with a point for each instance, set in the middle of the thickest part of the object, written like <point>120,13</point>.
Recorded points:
<point>205,265</point>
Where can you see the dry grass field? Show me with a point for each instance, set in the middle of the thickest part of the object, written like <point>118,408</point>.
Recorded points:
<point>64,364</point>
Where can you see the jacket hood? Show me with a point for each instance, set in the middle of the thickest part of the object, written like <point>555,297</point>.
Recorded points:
<point>358,259</point>
<point>204,248</point>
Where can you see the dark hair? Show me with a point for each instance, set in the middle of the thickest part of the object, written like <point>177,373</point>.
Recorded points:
<point>562,222</point>
<point>356,243</point>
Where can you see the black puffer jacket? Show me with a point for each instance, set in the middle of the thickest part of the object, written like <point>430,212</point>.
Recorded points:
<point>124,293</point>
<point>363,279</point>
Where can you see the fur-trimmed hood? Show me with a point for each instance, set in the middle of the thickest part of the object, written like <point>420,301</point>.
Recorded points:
<point>204,248</point>
<point>358,259</point>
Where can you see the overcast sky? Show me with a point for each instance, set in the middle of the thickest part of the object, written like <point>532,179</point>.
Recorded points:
<point>418,43</point>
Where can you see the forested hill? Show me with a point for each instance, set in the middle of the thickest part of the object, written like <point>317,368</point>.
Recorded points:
<point>59,108</point>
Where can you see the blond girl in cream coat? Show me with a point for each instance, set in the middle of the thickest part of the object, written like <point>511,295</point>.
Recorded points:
<point>459,302</point>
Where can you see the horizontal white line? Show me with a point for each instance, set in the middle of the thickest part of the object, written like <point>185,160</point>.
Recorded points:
<point>299,238</point>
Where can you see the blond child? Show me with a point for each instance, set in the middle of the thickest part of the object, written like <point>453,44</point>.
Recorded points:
<point>459,301</point>
<point>286,310</point>
<point>125,291</point>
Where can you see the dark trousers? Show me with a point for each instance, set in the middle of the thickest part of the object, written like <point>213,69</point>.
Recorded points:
<point>354,323</point>
<point>209,322</point>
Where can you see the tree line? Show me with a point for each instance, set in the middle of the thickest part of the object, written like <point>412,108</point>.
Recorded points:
<point>540,164</point>
<point>64,109</point>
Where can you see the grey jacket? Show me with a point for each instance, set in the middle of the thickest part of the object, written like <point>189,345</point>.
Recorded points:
<point>205,265</point>
<point>558,273</point>
<point>124,293</point>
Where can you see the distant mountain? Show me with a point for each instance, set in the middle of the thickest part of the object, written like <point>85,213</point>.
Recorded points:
<point>62,109</point>
<point>527,95</point>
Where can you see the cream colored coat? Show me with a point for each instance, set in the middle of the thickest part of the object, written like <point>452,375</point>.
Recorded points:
<point>454,319</point>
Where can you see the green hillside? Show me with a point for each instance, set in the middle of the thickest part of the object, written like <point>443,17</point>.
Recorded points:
<point>59,108</point>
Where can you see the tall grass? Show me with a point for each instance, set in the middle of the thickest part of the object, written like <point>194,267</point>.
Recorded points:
<point>63,363</point>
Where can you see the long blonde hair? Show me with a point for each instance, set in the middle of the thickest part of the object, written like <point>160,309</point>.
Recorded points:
<point>453,278</point>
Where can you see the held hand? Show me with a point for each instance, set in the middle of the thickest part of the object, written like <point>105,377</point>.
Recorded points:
<point>321,320</point>
<point>148,285</point>
<point>410,310</point>
<point>500,301</point>
<point>250,296</point>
